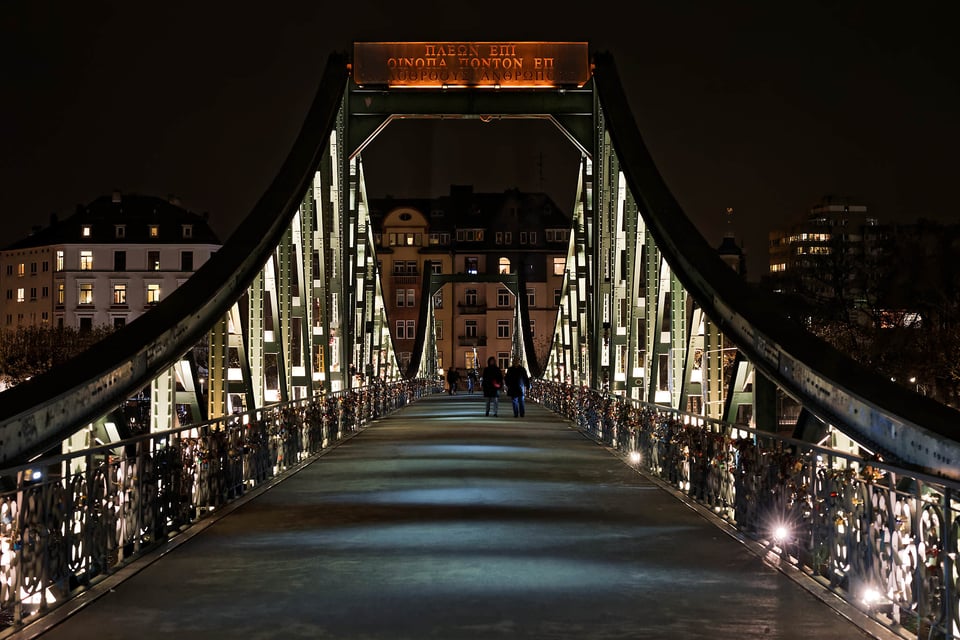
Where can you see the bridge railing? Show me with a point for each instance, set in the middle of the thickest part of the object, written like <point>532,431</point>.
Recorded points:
<point>68,521</point>
<point>884,539</point>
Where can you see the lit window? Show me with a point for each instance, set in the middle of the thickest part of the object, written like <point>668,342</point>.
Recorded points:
<point>61,293</point>
<point>86,231</point>
<point>21,295</point>
<point>559,264</point>
<point>86,260</point>
<point>21,269</point>
<point>120,294</point>
<point>154,231</point>
<point>153,293</point>
<point>86,293</point>
<point>60,260</point>
<point>504,265</point>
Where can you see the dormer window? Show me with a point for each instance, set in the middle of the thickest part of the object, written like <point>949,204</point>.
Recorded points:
<point>120,230</point>
<point>187,230</point>
<point>86,230</point>
<point>154,231</point>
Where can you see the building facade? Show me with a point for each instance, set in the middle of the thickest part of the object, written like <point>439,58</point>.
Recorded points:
<point>824,259</point>
<point>106,264</point>
<point>477,236</point>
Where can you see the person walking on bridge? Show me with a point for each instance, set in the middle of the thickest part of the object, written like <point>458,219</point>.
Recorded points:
<point>517,382</point>
<point>453,377</point>
<point>490,381</point>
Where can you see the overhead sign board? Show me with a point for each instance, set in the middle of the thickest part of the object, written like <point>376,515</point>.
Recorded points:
<point>471,64</point>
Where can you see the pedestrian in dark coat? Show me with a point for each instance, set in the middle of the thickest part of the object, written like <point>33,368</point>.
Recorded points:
<point>517,382</point>
<point>490,381</point>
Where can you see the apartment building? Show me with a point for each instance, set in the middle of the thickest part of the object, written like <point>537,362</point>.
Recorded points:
<point>106,264</point>
<point>477,236</point>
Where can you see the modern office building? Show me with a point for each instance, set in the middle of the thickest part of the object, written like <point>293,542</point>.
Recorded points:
<point>106,264</point>
<point>824,258</point>
<point>477,236</point>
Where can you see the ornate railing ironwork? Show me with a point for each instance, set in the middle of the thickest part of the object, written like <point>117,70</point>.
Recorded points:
<point>68,521</point>
<point>882,538</point>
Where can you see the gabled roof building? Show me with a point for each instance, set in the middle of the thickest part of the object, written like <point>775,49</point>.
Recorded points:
<point>478,235</point>
<point>106,264</point>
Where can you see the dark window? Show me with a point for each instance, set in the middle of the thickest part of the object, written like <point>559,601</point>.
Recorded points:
<point>119,260</point>
<point>186,261</point>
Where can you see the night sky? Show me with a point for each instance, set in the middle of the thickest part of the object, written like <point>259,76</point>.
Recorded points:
<point>746,105</point>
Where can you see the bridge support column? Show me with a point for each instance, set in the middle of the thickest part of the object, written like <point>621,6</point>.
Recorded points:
<point>163,409</point>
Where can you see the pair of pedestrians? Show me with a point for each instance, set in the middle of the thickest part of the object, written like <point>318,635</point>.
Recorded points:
<point>516,380</point>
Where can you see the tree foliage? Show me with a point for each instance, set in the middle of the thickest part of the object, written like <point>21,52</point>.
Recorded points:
<point>26,352</point>
<point>895,308</point>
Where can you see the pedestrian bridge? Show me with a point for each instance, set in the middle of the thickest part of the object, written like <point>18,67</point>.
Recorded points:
<point>437,522</point>
<point>281,347</point>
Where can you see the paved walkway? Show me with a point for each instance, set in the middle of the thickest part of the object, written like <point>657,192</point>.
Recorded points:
<point>440,523</point>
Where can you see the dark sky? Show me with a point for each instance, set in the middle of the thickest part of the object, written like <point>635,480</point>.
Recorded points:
<point>764,107</point>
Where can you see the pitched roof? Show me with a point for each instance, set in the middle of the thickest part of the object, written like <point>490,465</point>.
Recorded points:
<point>136,212</point>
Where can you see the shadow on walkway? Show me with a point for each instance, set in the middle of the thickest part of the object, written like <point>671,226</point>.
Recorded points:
<point>439,522</point>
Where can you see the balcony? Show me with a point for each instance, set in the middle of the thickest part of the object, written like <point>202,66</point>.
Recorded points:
<point>467,309</point>
<point>406,278</point>
<point>471,341</point>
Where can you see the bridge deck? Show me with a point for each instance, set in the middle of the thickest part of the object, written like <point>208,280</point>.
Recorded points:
<point>438,522</point>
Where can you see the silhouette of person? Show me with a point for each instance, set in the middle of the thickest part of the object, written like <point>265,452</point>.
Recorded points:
<point>517,382</point>
<point>491,380</point>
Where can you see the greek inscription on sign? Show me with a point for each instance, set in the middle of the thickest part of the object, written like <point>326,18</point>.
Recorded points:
<point>471,64</point>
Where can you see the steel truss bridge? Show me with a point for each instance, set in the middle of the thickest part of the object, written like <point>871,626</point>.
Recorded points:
<point>290,309</point>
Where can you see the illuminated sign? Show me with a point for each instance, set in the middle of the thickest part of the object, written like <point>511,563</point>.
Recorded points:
<point>471,64</point>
